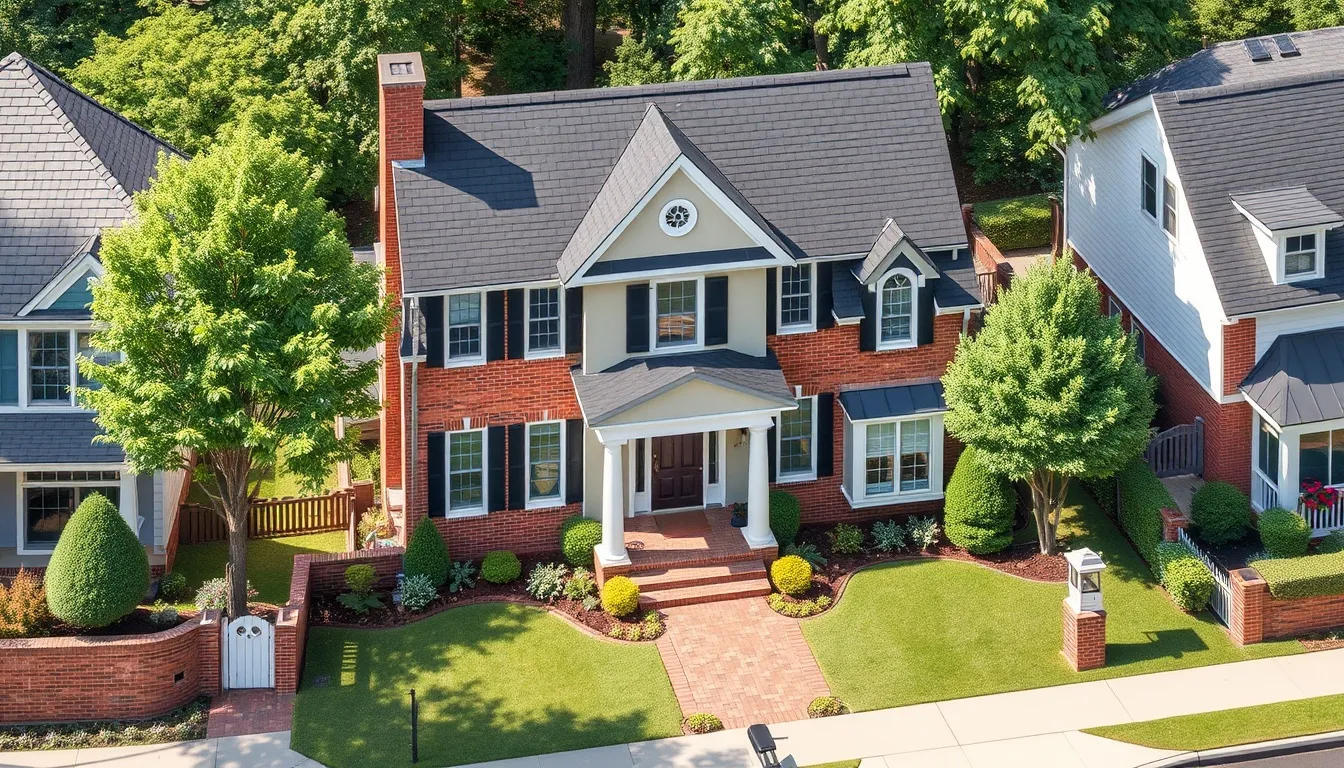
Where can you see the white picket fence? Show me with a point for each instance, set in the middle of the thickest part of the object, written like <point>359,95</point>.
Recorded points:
<point>1221,599</point>
<point>1323,520</point>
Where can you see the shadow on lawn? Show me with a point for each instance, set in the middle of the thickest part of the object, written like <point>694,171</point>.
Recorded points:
<point>1161,644</point>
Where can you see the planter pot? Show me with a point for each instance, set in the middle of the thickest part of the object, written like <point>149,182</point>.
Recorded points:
<point>739,522</point>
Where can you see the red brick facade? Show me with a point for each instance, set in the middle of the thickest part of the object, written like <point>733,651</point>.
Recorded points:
<point>1084,638</point>
<point>55,679</point>
<point>1256,615</point>
<point>1227,426</point>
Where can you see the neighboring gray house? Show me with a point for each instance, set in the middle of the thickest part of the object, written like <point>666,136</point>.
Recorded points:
<point>68,168</point>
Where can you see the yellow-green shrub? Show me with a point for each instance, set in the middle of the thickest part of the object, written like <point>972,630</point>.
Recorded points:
<point>792,574</point>
<point>620,596</point>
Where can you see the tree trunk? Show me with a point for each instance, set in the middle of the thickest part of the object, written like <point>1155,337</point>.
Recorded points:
<point>581,41</point>
<point>231,470</point>
<point>1048,490</point>
<point>821,43</point>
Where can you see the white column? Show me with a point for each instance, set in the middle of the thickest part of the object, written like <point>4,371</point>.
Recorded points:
<point>612,549</point>
<point>758,533</point>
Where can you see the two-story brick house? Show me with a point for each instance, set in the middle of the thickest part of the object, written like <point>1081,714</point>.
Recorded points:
<point>667,297</point>
<point>1210,203</point>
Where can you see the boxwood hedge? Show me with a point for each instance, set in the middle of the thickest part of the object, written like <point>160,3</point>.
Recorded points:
<point>1018,222</point>
<point>1308,576</point>
<point>1142,497</point>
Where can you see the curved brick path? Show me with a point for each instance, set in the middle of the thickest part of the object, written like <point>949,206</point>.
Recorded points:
<point>741,661</point>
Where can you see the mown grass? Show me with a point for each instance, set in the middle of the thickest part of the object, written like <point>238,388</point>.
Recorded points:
<point>1232,727</point>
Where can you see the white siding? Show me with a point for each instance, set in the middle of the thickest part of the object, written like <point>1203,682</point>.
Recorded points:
<point>1272,325</point>
<point>1165,283</point>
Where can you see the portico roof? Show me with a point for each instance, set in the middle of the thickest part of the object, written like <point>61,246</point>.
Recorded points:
<point>1300,379</point>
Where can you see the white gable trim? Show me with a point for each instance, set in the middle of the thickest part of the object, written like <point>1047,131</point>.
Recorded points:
<point>716,195</point>
<point>62,282</point>
<point>903,247</point>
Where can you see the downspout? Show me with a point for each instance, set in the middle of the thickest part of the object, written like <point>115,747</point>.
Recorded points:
<point>1063,204</point>
<point>414,310</point>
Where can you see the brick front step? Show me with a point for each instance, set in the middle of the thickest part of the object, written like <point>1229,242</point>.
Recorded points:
<point>671,578</point>
<point>663,560</point>
<point>704,593</point>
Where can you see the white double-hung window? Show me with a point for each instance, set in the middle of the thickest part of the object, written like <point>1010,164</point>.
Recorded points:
<point>797,430</point>
<point>896,308</point>
<point>465,344</point>
<point>676,315</point>
<point>795,299</point>
<point>466,472</point>
<point>545,478</point>
<point>893,461</point>
<point>543,321</point>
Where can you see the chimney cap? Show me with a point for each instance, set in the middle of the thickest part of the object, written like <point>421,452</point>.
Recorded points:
<point>400,69</point>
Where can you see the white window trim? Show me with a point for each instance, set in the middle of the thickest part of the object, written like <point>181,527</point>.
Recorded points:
<point>715,493</point>
<point>1281,240</point>
<point>26,404</point>
<point>484,508</point>
<point>1156,215</point>
<point>692,219</point>
<point>1140,341</point>
<point>811,325</point>
<point>544,354</point>
<point>811,473</point>
<point>858,434</point>
<point>464,362</point>
<point>127,504</point>
<point>1173,233</point>
<point>559,499</point>
<point>883,346</point>
<point>699,343</point>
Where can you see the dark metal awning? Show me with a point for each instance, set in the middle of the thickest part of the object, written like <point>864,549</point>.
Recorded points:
<point>1300,379</point>
<point>892,402</point>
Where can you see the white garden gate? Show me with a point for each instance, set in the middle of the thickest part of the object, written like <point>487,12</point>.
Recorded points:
<point>1221,599</point>
<point>249,653</point>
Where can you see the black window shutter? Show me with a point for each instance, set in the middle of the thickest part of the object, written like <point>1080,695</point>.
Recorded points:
<point>825,439</point>
<point>438,480</point>
<point>868,325</point>
<point>495,465</point>
<point>925,299</point>
<point>716,310</point>
<point>517,317</point>
<point>772,450</point>
<point>573,461</point>
<point>637,318</point>
<point>573,320</point>
<point>431,307</point>
<point>771,301</point>
<point>494,325</point>
<point>825,319</point>
<point>517,467</point>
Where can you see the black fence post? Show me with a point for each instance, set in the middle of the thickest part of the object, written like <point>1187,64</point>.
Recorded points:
<point>415,729</point>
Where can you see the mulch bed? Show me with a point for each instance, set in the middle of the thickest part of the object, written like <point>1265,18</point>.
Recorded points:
<point>1326,641</point>
<point>135,623</point>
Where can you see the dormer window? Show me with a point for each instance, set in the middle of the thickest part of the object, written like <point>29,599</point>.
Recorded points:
<point>1289,224</point>
<point>1299,256</point>
<point>896,294</point>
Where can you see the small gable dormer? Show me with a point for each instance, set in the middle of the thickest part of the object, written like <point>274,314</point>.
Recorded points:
<point>896,292</point>
<point>1289,225</point>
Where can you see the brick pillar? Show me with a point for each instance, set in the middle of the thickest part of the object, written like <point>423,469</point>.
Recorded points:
<point>1231,452</point>
<point>289,648</point>
<point>1173,520</point>
<point>209,637</point>
<point>1246,619</point>
<point>1084,638</point>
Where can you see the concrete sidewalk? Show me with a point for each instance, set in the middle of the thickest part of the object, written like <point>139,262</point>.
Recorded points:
<point>263,750</point>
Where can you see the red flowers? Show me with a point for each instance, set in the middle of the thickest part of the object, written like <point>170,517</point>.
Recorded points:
<point>1316,495</point>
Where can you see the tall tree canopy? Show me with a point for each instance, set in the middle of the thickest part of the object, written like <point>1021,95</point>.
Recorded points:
<point>1050,389</point>
<point>232,295</point>
<point>737,38</point>
<point>58,33</point>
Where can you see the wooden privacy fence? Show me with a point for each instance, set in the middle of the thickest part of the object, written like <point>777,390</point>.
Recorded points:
<point>269,518</point>
<point>1177,451</point>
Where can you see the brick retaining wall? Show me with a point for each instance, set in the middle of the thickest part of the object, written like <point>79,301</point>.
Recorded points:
<point>56,679</point>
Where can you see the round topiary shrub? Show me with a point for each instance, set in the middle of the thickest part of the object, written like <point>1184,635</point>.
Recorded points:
<point>703,722</point>
<point>786,517</point>
<point>1220,513</point>
<point>791,574</point>
<point>826,706</point>
<point>979,507</point>
<point>620,596</point>
<point>1189,582</point>
<point>426,554</point>
<point>578,536</point>
<point>501,567</point>
<point>1284,533</point>
<point>172,587</point>
<point>99,571</point>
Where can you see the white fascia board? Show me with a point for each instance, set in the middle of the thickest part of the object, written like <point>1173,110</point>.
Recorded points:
<point>62,282</point>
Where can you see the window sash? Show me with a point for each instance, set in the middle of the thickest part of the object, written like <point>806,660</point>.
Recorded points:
<point>1299,256</point>
<point>795,295</point>
<point>1268,460</point>
<point>1169,206</point>
<point>897,309</point>
<point>915,455</point>
<point>543,461</point>
<point>49,367</point>
<point>898,457</point>
<point>1149,182</point>
<point>795,439</point>
<point>676,313</point>
<point>464,326</point>
<point>543,320</point>
<point>85,348</point>
<point>1321,457</point>
<point>466,471</point>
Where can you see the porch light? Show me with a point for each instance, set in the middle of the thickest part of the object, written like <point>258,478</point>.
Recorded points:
<point>1085,567</point>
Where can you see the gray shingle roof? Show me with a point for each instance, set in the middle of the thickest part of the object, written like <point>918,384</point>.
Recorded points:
<point>1230,141</point>
<point>891,402</point>
<point>1286,208</point>
<point>823,156</point>
<point>890,236</point>
<point>1300,378</point>
<point>958,286</point>
<point>40,438</point>
<point>1228,64</point>
<point>67,169</point>
<point>637,380</point>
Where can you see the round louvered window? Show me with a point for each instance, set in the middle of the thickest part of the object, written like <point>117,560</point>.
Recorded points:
<point>677,217</point>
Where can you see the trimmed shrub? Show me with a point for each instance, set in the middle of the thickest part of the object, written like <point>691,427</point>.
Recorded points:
<point>1284,533</point>
<point>1308,576</point>
<point>1144,497</point>
<point>888,536</point>
<point>826,706</point>
<point>620,596</point>
<point>1016,222</point>
<point>786,517</point>
<point>578,536</point>
<point>546,582</point>
<point>501,567</point>
<point>1188,581</point>
<point>979,507</point>
<point>846,539</point>
<point>213,594</point>
<point>923,532</point>
<point>1333,542</point>
<point>702,722</point>
<point>417,592</point>
<point>23,606</point>
<point>426,554</point>
<point>1220,513</point>
<point>99,571</point>
<point>798,609</point>
<point>172,587</point>
<point>791,574</point>
<point>1102,491</point>
<point>360,578</point>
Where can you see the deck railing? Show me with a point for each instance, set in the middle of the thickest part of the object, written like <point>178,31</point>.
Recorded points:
<point>1323,520</point>
<point>269,518</point>
<point>1264,493</point>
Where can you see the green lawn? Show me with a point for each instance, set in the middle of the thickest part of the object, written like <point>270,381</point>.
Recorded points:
<point>493,681</point>
<point>1233,726</point>
<point>914,632</point>
<point>269,562</point>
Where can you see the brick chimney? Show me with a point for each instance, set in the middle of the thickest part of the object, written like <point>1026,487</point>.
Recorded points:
<point>401,141</point>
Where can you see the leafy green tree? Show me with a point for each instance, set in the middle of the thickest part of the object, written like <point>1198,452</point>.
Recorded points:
<point>737,38</point>
<point>1221,20</point>
<point>58,33</point>
<point>528,63</point>
<point>232,295</point>
<point>1050,389</point>
<point>635,64</point>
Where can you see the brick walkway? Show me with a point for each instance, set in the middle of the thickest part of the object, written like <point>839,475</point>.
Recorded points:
<point>247,711</point>
<point>741,661</point>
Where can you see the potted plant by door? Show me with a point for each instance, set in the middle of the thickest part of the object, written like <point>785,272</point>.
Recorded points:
<point>739,515</point>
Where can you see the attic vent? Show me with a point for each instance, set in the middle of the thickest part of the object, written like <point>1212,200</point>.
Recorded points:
<point>1257,51</point>
<point>677,218</point>
<point>1287,48</point>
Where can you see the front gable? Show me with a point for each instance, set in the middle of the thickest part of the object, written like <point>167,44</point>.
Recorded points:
<point>69,291</point>
<point>712,229</point>
<point>692,398</point>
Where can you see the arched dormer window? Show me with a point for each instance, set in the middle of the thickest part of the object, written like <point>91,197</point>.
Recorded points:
<point>896,308</point>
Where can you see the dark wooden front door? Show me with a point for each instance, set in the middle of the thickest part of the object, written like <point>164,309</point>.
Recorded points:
<point>678,471</point>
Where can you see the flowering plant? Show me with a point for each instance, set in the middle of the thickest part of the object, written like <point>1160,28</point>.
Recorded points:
<point>1317,495</point>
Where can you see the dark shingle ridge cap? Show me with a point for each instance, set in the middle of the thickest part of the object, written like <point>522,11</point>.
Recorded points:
<point>644,92</point>
<point>1212,93</point>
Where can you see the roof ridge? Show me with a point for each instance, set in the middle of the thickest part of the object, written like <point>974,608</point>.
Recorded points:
<point>720,85</point>
<point>1215,92</point>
